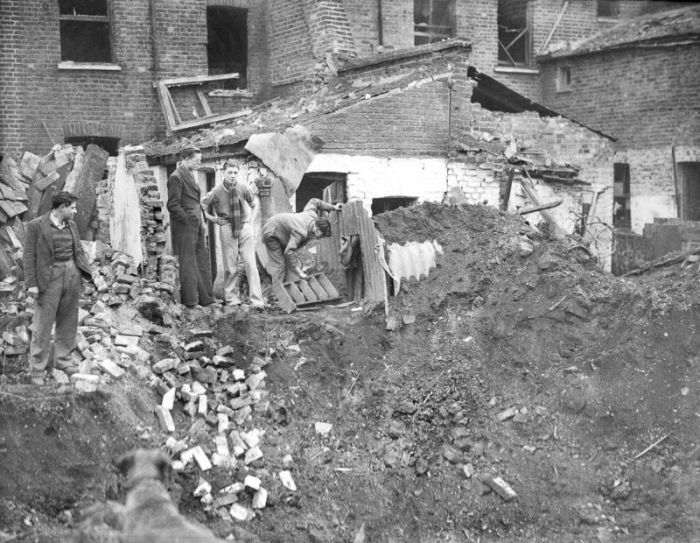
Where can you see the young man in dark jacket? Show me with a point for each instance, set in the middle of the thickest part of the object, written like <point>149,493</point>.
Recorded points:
<point>187,225</point>
<point>285,233</point>
<point>54,261</point>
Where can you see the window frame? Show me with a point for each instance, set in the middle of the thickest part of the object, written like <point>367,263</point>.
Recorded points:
<point>561,84</point>
<point>526,33</point>
<point>431,36</point>
<point>622,175</point>
<point>78,18</point>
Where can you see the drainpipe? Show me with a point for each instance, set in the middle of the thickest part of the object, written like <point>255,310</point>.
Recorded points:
<point>380,23</point>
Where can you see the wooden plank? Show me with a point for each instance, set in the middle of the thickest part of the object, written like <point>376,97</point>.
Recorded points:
<point>197,79</point>
<point>173,108</point>
<point>44,182</point>
<point>546,205</point>
<point>29,164</point>
<point>327,285</point>
<point>306,290</point>
<point>286,303</point>
<point>164,98</point>
<point>18,228</point>
<point>319,291</point>
<point>10,174</point>
<point>91,174</point>
<point>11,209</point>
<point>209,120</point>
<point>295,293</point>
<point>203,102</point>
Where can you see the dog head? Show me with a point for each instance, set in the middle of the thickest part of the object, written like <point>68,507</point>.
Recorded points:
<point>142,464</point>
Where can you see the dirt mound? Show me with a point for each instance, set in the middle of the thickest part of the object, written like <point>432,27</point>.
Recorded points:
<point>522,361</point>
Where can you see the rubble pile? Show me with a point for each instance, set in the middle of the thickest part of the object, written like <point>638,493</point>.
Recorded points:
<point>203,387</point>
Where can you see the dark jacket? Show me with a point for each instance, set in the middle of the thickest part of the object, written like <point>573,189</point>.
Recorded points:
<point>38,253</point>
<point>184,197</point>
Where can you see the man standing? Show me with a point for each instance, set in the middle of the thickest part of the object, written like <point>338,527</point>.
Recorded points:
<point>285,233</point>
<point>187,224</point>
<point>237,241</point>
<point>54,261</point>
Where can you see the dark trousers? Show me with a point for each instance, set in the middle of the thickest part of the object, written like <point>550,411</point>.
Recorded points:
<point>276,265</point>
<point>190,246</point>
<point>58,303</point>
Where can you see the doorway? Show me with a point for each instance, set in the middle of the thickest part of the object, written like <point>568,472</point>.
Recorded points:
<point>314,184</point>
<point>689,181</point>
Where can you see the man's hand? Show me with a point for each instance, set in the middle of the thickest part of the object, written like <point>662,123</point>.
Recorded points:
<point>301,273</point>
<point>33,291</point>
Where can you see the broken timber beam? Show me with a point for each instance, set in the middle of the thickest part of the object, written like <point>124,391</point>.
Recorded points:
<point>546,205</point>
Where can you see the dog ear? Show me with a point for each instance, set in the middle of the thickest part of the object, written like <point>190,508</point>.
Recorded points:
<point>162,463</point>
<point>125,462</point>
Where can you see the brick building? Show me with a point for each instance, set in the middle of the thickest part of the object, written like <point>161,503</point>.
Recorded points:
<point>91,75</point>
<point>638,82</point>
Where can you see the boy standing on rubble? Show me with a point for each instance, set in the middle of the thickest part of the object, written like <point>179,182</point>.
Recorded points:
<point>285,233</point>
<point>187,224</point>
<point>54,261</point>
<point>237,239</point>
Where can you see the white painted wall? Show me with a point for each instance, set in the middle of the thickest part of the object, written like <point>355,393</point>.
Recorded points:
<point>374,177</point>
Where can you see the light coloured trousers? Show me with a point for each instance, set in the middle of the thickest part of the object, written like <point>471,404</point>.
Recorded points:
<point>58,303</point>
<point>243,249</point>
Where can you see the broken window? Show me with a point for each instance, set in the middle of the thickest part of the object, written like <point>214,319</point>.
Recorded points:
<point>85,31</point>
<point>622,217</point>
<point>514,40</point>
<point>329,186</point>
<point>111,145</point>
<point>432,20</point>
<point>227,43</point>
<point>563,78</point>
<point>688,174</point>
<point>381,205</point>
<point>608,8</point>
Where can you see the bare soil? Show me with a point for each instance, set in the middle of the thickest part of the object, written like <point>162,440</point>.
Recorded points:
<point>597,367</point>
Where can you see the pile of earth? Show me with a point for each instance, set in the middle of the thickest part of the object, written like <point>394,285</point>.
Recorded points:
<point>520,360</point>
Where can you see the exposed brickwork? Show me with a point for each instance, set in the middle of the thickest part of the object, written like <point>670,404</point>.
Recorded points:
<point>121,103</point>
<point>645,97</point>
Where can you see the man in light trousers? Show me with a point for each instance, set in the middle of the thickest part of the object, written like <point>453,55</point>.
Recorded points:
<point>228,202</point>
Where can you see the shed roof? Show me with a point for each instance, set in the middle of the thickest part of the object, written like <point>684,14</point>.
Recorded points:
<point>356,81</point>
<point>677,26</point>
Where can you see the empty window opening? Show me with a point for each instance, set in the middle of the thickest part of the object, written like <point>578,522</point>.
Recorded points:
<point>688,174</point>
<point>514,41</point>
<point>381,205</point>
<point>432,20</point>
<point>329,186</point>
<point>622,216</point>
<point>227,44</point>
<point>85,31</point>
<point>563,78</point>
<point>608,8</point>
<point>111,145</point>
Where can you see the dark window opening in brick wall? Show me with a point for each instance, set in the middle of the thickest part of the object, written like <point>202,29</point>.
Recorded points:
<point>433,20</point>
<point>85,31</point>
<point>329,186</point>
<point>622,217</point>
<point>563,78</point>
<point>382,205</point>
<point>227,44</point>
<point>111,145</point>
<point>514,36</point>
<point>688,174</point>
<point>608,8</point>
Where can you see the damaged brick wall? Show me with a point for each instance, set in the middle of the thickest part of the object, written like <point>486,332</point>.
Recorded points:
<point>117,103</point>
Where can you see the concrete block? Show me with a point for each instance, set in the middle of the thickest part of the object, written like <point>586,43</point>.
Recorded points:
<point>252,455</point>
<point>124,341</point>
<point>259,499</point>
<point>194,346</point>
<point>85,377</point>
<point>111,369</point>
<point>252,482</point>
<point>197,388</point>
<point>287,480</point>
<point>203,487</point>
<point>202,405</point>
<point>237,444</point>
<point>165,419</point>
<point>239,403</point>
<point>255,380</point>
<point>238,374</point>
<point>168,401</point>
<point>242,415</point>
<point>322,428</point>
<point>507,414</point>
<point>222,422</point>
<point>222,445</point>
<point>499,486</point>
<point>164,365</point>
<point>252,438</point>
<point>225,501</point>
<point>85,387</point>
<point>201,458</point>
<point>233,488</point>
<point>240,513</point>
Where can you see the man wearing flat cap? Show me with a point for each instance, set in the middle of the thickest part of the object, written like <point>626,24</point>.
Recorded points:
<point>187,225</point>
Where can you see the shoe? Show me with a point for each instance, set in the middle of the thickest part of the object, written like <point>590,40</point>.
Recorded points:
<point>68,370</point>
<point>37,380</point>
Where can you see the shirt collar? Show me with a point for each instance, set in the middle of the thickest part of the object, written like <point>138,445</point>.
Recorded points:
<point>60,225</point>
